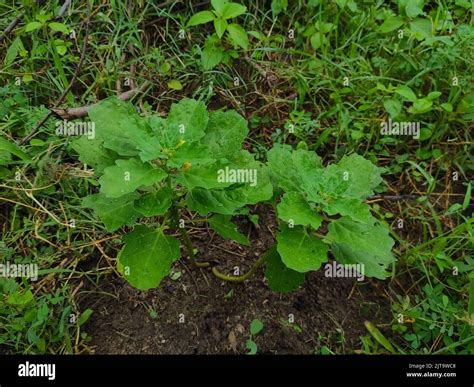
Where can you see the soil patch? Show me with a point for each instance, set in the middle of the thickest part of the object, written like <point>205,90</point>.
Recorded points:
<point>199,314</point>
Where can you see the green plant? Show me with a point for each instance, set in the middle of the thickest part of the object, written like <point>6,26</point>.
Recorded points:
<point>214,52</point>
<point>193,160</point>
<point>256,327</point>
<point>153,167</point>
<point>313,194</point>
<point>324,74</point>
<point>436,324</point>
<point>37,50</point>
<point>31,324</point>
<point>302,125</point>
<point>286,324</point>
<point>42,20</point>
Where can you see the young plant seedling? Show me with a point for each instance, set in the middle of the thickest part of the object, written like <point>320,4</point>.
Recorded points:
<point>255,328</point>
<point>193,161</point>
<point>222,11</point>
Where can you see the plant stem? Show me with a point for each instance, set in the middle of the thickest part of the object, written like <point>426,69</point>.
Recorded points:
<point>189,247</point>
<point>187,241</point>
<point>240,278</point>
<point>197,220</point>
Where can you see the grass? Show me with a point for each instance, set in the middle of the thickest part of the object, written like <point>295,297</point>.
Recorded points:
<point>333,97</point>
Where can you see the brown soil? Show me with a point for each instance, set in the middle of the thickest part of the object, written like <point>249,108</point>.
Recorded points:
<point>199,314</point>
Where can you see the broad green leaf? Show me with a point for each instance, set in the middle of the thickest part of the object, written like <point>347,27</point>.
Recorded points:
<point>283,169</point>
<point>122,130</point>
<point>299,250</point>
<point>107,116</point>
<point>406,92</point>
<point>231,10</point>
<point>43,18</point>
<point>225,202</point>
<point>208,176</point>
<point>27,78</point>
<point>225,133</point>
<point>421,28</point>
<point>447,107</point>
<point>114,213</point>
<point>306,161</point>
<point>32,26</point>
<point>220,25</point>
<point>238,36</point>
<point>295,170</point>
<point>59,27</point>
<point>127,175</point>
<point>259,187</point>
<point>20,298</point>
<point>155,203</point>
<point>466,105</point>
<point>201,18</point>
<point>316,40</point>
<point>391,24</point>
<point>294,209</point>
<point>228,200</point>
<point>334,186</point>
<point>260,192</point>
<point>255,327</point>
<point>422,105</point>
<point>279,6</point>
<point>150,149</point>
<point>12,148</point>
<point>218,6</point>
<point>280,278</point>
<point>211,55</point>
<point>93,153</point>
<point>434,95</point>
<point>226,229</point>
<point>353,208</point>
<point>186,121</point>
<point>251,346</point>
<point>364,243</point>
<point>37,142</point>
<point>5,159</point>
<point>331,182</point>
<point>393,107</point>
<point>60,46</point>
<point>175,84</point>
<point>147,256</point>
<point>414,8</point>
<point>240,169</point>
<point>157,124</point>
<point>363,175</point>
<point>310,172</point>
<point>194,154</point>
<point>425,133</point>
<point>324,27</point>
<point>464,3</point>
